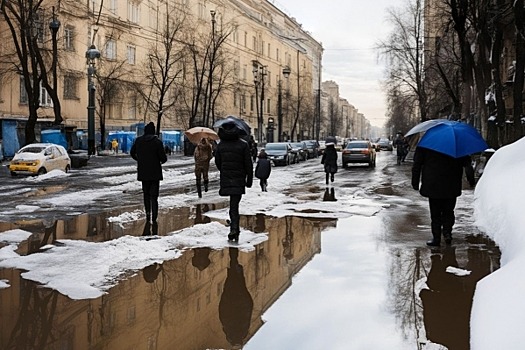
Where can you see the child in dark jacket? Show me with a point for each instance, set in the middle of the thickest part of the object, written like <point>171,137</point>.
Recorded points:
<point>263,170</point>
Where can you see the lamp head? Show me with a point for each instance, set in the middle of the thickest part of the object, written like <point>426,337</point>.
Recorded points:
<point>286,71</point>
<point>92,53</point>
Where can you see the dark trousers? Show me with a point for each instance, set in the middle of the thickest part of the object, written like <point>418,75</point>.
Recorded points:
<point>150,189</point>
<point>442,216</point>
<point>234,212</point>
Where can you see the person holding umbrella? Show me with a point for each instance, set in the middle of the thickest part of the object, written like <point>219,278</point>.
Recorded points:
<point>202,156</point>
<point>439,160</point>
<point>234,161</point>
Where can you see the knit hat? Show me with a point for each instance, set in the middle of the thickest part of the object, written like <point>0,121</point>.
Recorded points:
<point>149,129</point>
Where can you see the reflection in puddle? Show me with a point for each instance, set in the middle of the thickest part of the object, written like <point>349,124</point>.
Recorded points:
<point>428,299</point>
<point>206,299</point>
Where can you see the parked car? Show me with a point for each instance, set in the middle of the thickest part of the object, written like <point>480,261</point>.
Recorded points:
<point>313,148</point>
<point>280,153</point>
<point>300,149</point>
<point>359,152</point>
<point>39,158</point>
<point>385,145</point>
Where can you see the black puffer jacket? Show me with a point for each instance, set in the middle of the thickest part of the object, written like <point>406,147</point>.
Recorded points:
<point>149,153</point>
<point>233,159</point>
<point>441,175</point>
<point>329,159</point>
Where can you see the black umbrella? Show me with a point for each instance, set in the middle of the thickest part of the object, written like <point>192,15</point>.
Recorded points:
<point>331,139</point>
<point>243,127</point>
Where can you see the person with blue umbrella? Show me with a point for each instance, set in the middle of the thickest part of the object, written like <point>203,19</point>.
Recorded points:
<point>441,156</point>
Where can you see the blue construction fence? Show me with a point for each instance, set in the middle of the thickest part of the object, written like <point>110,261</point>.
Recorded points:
<point>12,137</point>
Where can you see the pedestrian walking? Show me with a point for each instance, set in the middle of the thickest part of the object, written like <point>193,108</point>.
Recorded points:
<point>401,145</point>
<point>253,148</point>
<point>202,156</point>
<point>441,182</point>
<point>329,160</point>
<point>263,170</point>
<point>114,146</point>
<point>149,153</point>
<point>233,159</point>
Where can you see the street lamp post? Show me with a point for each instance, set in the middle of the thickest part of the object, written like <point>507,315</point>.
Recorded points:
<point>91,54</point>
<point>259,72</point>
<point>286,73</point>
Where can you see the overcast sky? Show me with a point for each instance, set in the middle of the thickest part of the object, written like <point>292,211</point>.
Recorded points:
<point>348,30</point>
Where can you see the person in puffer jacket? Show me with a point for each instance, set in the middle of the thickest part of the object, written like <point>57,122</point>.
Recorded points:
<point>233,159</point>
<point>149,153</point>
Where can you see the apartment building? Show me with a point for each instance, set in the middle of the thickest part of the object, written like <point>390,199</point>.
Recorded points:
<point>253,43</point>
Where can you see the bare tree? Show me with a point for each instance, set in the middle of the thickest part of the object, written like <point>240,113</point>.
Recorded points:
<point>25,20</point>
<point>111,82</point>
<point>403,51</point>
<point>163,66</point>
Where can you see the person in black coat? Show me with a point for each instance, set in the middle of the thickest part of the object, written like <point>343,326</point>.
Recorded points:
<point>263,170</point>
<point>329,160</point>
<point>149,153</point>
<point>233,159</point>
<point>441,182</point>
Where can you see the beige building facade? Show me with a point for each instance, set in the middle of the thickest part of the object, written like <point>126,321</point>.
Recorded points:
<point>259,42</point>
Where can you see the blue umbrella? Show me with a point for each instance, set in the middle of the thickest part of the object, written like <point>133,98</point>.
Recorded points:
<point>454,139</point>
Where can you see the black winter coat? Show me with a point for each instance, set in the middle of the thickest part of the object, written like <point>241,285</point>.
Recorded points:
<point>441,175</point>
<point>234,161</point>
<point>263,169</point>
<point>149,153</point>
<point>329,160</point>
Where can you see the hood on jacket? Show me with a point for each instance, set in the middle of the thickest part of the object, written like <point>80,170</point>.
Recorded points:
<point>149,129</point>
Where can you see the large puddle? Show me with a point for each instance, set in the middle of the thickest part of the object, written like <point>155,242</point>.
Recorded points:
<point>314,284</point>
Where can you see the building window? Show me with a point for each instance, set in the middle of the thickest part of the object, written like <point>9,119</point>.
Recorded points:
<point>113,6</point>
<point>254,43</point>
<point>269,52</point>
<point>132,109</point>
<point>277,55</point>
<point>133,11</point>
<point>70,87</point>
<point>235,35</point>
<point>131,52</point>
<point>39,26</point>
<point>245,39</point>
<point>44,98</point>
<point>244,72</point>
<point>202,10</point>
<point>69,38</point>
<point>252,102</point>
<point>235,96</point>
<point>110,49</point>
<point>94,6</point>
<point>243,102</point>
<point>24,98</point>
<point>268,105</point>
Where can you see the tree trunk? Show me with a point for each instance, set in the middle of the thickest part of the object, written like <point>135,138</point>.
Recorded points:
<point>519,17</point>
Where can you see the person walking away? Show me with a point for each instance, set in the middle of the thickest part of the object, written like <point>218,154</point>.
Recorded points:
<point>114,146</point>
<point>263,170</point>
<point>202,155</point>
<point>149,153</point>
<point>253,148</point>
<point>233,159</point>
<point>441,182</point>
<point>329,160</point>
<point>400,145</point>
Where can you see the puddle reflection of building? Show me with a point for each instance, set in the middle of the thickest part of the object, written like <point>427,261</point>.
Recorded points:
<point>173,307</point>
<point>236,304</point>
<point>448,301</point>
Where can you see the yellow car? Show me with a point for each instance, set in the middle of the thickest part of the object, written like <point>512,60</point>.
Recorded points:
<point>39,158</point>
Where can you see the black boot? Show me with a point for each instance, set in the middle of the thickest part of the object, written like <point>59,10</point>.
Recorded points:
<point>448,238</point>
<point>434,242</point>
<point>234,234</point>
<point>154,228</point>
<point>327,178</point>
<point>205,185</point>
<point>332,177</point>
<point>199,190</point>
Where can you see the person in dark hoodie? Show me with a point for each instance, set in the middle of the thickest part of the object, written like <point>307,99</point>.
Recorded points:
<point>234,161</point>
<point>149,153</point>
<point>329,160</point>
<point>263,170</point>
